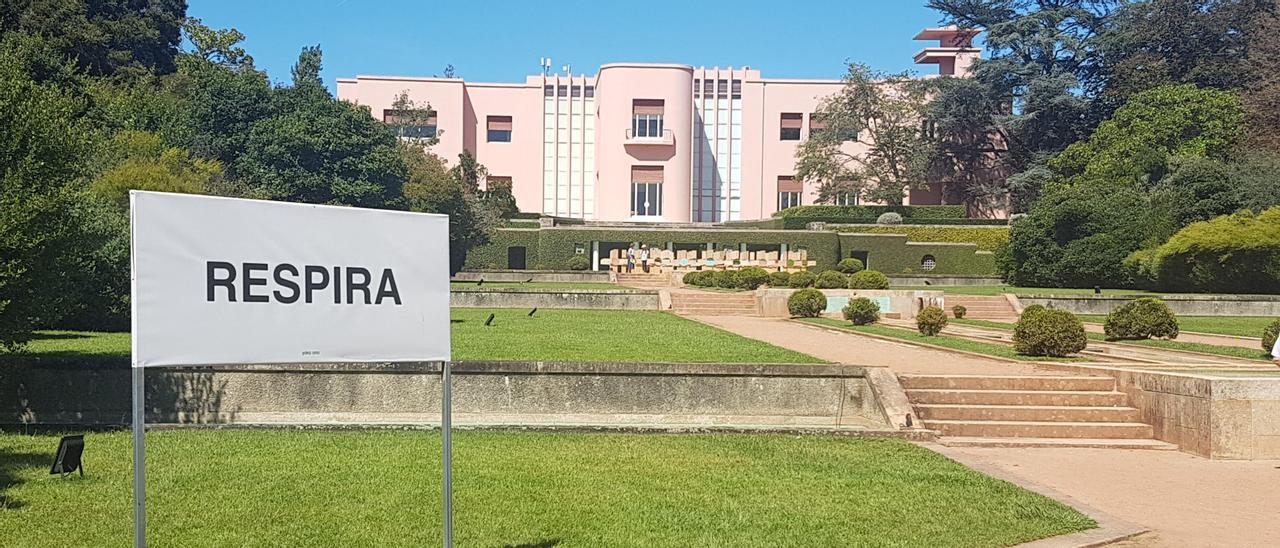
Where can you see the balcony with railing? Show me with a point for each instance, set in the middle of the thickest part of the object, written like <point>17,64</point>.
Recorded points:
<point>648,135</point>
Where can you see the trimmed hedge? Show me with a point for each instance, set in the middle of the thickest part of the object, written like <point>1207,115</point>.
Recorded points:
<point>1141,318</point>
<point>849,266</point>
<point>1235,253</point>
<point>959,311</point>
<point>987,239</point>
<point>889,218</point>
<point>861,311</point>
<point>1269,336</point>
<point>579,262</point>
<point>1046,332</point>
<point>552,248</point>
<point>930,321</point>
<point>835,222</point>
<point>868,279</point>
<point>807,303</point>
<point>779,279</point>
<point>802,279</point>
<point>871,212</point>
<point>752,277</point>
<point>831,279</point>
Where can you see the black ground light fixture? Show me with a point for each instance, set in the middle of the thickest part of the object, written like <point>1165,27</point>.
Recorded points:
<point>1097,290</point>
<point>70,449</point>
<point>532,312</point>
<point>489,321</point>
<point>530,280</point>
<point>480,282</point>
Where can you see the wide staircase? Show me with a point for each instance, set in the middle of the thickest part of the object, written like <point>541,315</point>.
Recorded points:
<point>1028,411</point>
<point>978,307</point>
<point>641,280</point>
<point>709,303</point>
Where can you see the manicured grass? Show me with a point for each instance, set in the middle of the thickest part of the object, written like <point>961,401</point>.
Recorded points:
<point>381,488</point>
<point>1230,351</point>
<point>604,335</point>
<point>996,349</point>
<point>533,285</point>
<point>1240,326</point>
<point>549,335</point>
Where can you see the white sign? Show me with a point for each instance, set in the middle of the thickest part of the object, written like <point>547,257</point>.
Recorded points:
<point>221,280</point>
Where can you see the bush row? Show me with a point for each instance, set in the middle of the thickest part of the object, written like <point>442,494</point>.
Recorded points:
<point>1237,253</point>
<point>987,239</point>
<point>871,212</point>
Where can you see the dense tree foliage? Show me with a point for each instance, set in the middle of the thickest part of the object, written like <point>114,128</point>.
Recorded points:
<point>883,113</point>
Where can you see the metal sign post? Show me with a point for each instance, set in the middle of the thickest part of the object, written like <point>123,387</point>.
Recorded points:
<point>446,451</point>
<point>139,461</point>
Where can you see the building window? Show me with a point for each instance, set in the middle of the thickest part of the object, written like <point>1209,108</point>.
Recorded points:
<point>499,128</point>
<point>845,199</point>
<point>646,117</point>
<point>411,124</point>
<point>590,92</point>
<point>736,90</point>
<point>791,123</point>
<point>548,91</point>
<point>646,191</point>
<point>928,262</point>
<point>562,91</point>
<point>708,87</point>
<point>789,191</point>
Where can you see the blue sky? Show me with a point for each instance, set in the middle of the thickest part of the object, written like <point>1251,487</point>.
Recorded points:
<point>501,41</point>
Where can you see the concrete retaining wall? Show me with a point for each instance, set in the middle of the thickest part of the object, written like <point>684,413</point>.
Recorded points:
<point>1187,305</point>
<point>903,303</point>
<point>1215,417</point>
<point>919,280</point>
<point>485,393</point>
<point>560,276</point>
<point>599,299</point>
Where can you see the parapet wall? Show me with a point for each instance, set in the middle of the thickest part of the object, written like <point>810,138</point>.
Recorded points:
<point>668,396</point>
<point>1186,305</point>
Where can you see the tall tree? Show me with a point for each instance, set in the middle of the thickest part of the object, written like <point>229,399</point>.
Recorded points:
<point>1157,42</point>
<point>1261,96</point>
<point>971,150</point>
<point>126,38</point>
<point>883,113</point>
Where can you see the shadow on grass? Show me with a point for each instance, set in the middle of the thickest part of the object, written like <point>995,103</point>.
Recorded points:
<point>545,543</point>
<point>57,336</point>
<point>12,464</point>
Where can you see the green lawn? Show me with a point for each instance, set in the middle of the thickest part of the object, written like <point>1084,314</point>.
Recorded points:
<point>550,335</point>
<point>996,349</point>
<point>1229,351</point>
<point>1240,326</point>
<point>533,285</point>
<point>381,488</point>
<point>604,335</point>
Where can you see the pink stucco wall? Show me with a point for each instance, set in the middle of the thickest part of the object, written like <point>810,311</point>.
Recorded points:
<point>616,87</point>
<point>463,107</point>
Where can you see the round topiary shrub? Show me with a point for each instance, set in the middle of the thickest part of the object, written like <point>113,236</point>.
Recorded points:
<point>696,278</point>
<point>849,266</point>
<point>889,218</point>
<point>931,320</point>
<point>862,311</point>
<point>868,279</point>
<point>752,277</point>
<point>801,279</point>
<point>807,303</point>
<point>1142,318</point>
<point>727,279</point>
<point>1269,336</point>
<point>1056,333</point>
<point>579,262</point>
<point>959,311</point>
<point>831,280</point>
<point>779,279</point>
<point>1031,311</point>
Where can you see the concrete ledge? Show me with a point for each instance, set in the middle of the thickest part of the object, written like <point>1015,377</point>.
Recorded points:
<point>485,394</point>
<point>562,276</point>
<point>598,299</point>
<point>1188,305</point>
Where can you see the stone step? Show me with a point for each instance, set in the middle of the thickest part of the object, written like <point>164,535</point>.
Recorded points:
<point>1017,397</point>
<point>1034,413</point>
<point>1086,443</point>
<point>1009,382</point>
<point>746,297</point>
<point>1040,429</point>
<point>714,311</point>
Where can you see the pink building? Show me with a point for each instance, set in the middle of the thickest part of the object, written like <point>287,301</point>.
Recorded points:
<point>640,141</point>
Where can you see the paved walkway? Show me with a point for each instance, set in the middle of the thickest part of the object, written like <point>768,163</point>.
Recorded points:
<point>849,348</point>
<point>1187,501</point>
